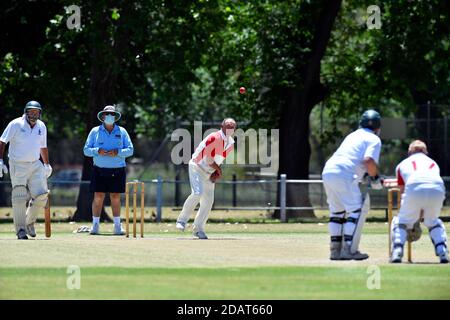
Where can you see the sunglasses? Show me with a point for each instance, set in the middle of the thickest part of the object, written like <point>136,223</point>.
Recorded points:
<point>109,114</point>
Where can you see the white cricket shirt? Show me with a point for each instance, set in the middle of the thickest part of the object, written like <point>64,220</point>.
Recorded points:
<point>25,142</point>
<point>349,157</point>
<point>418,168</point>
<point>214,148</point>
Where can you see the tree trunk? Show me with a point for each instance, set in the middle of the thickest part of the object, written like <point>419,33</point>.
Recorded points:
<point>100,95</point>
<point>295,149</point>
<point>105,66</point>
<point>295,152</point>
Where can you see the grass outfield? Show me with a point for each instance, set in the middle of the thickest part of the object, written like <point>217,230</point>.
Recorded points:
<point>241,261</point>
<point>227,283</point>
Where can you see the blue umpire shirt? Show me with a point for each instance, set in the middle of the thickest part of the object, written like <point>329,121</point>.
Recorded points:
<point>100,138</point>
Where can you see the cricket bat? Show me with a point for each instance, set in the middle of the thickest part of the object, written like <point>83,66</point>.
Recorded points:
<point>362,219</point>
<point>47,216</point>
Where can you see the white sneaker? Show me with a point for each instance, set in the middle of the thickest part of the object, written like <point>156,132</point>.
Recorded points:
<point>181,225</point>
<point>30,230</point>
<point>118,231</point>
<point>95,229</point>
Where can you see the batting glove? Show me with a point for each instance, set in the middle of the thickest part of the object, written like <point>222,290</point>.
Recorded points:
<point>3,169</point>
<point>48,170</point>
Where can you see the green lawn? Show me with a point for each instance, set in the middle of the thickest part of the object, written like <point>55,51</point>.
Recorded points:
<point>240,261</point>
<point>406,282</point>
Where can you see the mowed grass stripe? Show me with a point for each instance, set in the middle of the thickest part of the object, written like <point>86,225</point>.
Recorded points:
<point>397,282</point>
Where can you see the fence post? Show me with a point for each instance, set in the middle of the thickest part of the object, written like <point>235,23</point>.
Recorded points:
<point>234,191</point>
<point>159,198</point>
<point>283,198</point>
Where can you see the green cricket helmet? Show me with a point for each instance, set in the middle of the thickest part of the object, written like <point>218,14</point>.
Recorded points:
<point>32,105</point>
<point>370,119</point>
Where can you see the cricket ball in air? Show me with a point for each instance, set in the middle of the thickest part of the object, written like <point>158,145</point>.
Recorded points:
<point>242,90</point>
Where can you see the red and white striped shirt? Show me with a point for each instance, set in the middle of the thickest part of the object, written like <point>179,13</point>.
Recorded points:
<point>418,168</point>
<point>214,148</point>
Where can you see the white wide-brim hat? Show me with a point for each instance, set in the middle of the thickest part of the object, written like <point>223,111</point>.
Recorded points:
<point>109,109</point>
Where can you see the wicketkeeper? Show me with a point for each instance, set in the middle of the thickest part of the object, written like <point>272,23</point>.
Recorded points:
<point>204,170</point>
<point>423,193</point>
<point>357,155</point>
<point>27,137</point>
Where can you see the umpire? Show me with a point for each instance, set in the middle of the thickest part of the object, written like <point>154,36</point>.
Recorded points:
<point>109,145</point>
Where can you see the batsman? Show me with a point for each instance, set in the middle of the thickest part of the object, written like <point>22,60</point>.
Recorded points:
<point>356,157</point>
<point>27,137</point>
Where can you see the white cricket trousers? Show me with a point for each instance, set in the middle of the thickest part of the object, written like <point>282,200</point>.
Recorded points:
<point>27,179</point>
<point>418,197</point>
<point>421,197</point>
<point>343,197</point>
<point>343,193</point>
<point>203,192</point>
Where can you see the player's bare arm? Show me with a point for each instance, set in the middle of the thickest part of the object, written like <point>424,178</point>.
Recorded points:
<point>2,149</point>
<point>3,168</point>
<point>371,166</point>
<point>44,155</point>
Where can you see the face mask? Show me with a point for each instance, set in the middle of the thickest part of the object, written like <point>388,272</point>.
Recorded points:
<point>109,119</point>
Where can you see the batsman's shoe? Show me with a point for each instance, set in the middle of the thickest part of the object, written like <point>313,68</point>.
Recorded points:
<point>118,231</point>
<point>22,235</point>
<point>95,229</point>
<point>201,235</point>
<point>346,254</point>
<point>397,255</point>
<point>442,253</point>
<point>443,257</point>
<point>335,251</point>
<point>30,230</point>
<point>181,225</point>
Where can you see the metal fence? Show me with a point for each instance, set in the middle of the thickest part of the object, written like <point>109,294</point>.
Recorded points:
<point>229,195</point>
